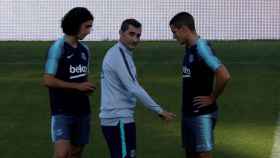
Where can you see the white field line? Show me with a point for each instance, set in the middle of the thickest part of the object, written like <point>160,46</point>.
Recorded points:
<point>143,63</point>
<point>276,146</point>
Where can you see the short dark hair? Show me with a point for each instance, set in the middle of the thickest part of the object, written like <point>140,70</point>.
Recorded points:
<point>127,22</point>
<point>72,20</point>
<point>183,19</point>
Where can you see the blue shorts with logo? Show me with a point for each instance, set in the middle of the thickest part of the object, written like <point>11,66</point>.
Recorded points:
<point>198,132</point>
<point>76,129</point>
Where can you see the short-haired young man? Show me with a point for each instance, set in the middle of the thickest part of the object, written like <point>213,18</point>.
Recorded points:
<point>204,79</point>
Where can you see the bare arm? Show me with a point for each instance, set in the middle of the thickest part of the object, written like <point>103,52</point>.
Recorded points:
<point>53,82</point>
<point>222,77</point>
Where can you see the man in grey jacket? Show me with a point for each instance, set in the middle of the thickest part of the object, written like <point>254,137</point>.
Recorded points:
<point>119,91</point>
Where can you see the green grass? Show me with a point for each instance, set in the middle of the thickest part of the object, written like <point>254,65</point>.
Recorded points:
<point>248,108</point>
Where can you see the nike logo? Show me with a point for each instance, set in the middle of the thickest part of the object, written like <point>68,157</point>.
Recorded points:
<point>78,76</point>
<point>70,56</point>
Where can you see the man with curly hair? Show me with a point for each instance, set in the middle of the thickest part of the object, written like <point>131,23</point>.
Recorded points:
<point>66,76</point>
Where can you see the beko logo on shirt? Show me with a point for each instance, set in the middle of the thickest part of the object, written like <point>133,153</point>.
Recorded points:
<point>77,69</point>
<point>186,72</point>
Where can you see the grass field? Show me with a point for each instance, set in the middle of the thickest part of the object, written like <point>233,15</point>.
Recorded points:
<point>248,108</point>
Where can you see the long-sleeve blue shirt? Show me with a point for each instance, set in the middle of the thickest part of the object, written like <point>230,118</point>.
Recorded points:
<point>120,88</point>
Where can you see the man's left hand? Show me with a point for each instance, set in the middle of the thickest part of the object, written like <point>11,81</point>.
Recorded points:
<point>203,101</point>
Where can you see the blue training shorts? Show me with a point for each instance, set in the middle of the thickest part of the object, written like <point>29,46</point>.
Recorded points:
<point>76,129</point>
<point>198,132</point>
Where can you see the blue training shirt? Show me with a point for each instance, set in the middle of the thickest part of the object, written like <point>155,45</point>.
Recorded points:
<point>199,66</point>
<point>70,65</point>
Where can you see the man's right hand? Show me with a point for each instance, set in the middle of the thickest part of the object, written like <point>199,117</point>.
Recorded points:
<point>53,82</point>
<point>86,87</point>
<point>167,116</point>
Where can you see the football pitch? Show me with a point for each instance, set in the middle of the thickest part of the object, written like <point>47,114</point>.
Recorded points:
<point>249,106</point>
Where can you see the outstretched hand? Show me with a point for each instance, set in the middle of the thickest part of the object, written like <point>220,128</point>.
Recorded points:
<point>167,116</point>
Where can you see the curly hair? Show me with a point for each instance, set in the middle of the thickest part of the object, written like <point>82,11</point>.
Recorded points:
<point>72,20</point>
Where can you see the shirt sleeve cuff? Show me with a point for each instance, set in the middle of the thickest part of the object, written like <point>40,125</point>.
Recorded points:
<point>159,110</point>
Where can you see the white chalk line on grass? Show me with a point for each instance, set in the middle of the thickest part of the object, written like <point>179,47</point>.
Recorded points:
<point>20,63</point>
<point>144,63</point>
<point>275,153</point>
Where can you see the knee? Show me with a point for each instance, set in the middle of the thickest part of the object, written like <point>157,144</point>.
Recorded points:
<point>76,153</point>
<point>62,154</point>
<point>203,155</point>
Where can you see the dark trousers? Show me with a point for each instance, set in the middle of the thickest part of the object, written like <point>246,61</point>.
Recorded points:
<point>121,140</point>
